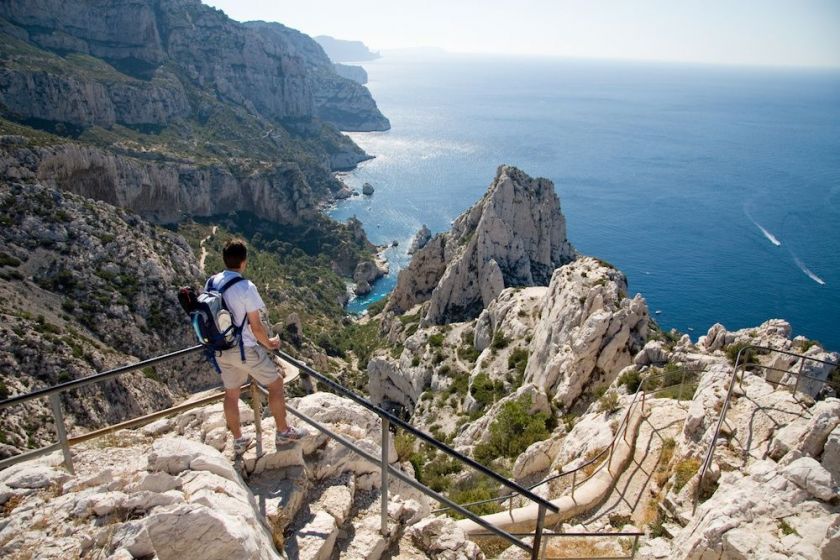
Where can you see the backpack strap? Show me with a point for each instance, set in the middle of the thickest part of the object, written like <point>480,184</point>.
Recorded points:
<point>230,283</point>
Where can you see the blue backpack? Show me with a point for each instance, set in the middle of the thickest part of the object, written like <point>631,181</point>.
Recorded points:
<point>212,321</point>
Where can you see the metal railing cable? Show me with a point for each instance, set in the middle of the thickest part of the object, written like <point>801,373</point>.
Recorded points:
<point>389,470</point>
<point>387,419</point>
<point>54,392</point>
<point>599,456</point>
<point>742,362</point>
<point>343,391</point>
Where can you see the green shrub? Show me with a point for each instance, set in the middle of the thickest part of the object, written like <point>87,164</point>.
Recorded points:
<point>608,402</point>
<point>486,391</point>
<point>683,472</point>
<point>499,341</point>
<point>631,379</point>
<point>518,360</point>
<point>8,260</point>
<point>748,356</point>
<point>672,375</point>
<point>786,529</point>
<point>475,489</point>
<point>513,431</point>
<point>404,444</point>
<point>436,340</point>
<point>468,352</point>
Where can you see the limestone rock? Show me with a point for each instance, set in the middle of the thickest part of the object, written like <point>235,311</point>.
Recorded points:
<point>173,455</point>
<point>440,537</point>
<point>808,436</point>
<point>367,189</point>
<point>588,331</point>
<point>388,380</point>
<point>192,530</point>
<point>421,238</point>
<point>32,476</point>
<point>514,236</point>
<point>808,474</point>
<point>831,455</point>
<point>315,541</point>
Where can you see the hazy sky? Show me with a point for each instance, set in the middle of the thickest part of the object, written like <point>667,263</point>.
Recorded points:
<point>775,32</point>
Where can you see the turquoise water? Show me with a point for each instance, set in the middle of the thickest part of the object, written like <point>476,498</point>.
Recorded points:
<point>716,190</point>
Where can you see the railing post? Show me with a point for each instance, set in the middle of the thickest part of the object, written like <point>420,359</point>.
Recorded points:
<point>384,486</point>
<point>635,547</point>
<point>256,405</point>
<point>574,483</point>
<point>798,376</point>
<point>60,431</point>
<point>535,552</point>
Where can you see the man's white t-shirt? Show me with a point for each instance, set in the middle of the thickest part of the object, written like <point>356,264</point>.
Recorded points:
<point>241,299</point>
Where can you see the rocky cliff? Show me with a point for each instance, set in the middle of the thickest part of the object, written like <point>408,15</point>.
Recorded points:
<point>515,236</point>
<point>87,287</point>
<point>264,67</point>
<point>173,109</point>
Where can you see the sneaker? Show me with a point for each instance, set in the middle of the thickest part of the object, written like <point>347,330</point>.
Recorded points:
<point>241,445</point>
<point>289,434</point>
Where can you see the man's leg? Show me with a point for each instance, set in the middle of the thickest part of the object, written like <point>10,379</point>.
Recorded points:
<point>277,403</point>
<point>232,411</point>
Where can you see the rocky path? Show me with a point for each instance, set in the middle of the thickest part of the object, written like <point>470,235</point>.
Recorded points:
<point>203,254</point>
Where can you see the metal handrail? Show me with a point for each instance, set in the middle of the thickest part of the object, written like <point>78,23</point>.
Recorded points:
<point>55,403</point>
<point>417,433</point>
<point>624,424</point>
<point>390,470</point>
<point>64,441</point>
<point>707,461</point>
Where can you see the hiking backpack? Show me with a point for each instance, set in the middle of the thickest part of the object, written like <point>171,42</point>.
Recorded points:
<point>211,319</point>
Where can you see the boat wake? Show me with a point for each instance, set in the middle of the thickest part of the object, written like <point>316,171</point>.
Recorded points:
<point>770,237</point>
<point>808,272</point>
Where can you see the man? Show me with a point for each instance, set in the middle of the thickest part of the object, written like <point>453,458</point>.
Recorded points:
<point>243,300</point>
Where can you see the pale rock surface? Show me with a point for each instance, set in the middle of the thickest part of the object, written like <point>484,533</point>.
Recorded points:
<point>440,537</point>
<point>315,541</point>
<point>421,238</point>
<point>808,435</point>
<point>809,475</point>
<point>831,455</point>
<point>588,331</point>
<point>28,476</point>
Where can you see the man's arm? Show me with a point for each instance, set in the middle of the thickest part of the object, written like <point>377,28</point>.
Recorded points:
<point>260,332</point>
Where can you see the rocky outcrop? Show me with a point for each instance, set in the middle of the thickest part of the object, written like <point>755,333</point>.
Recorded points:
<point>340,50</point>
<point>163,192</point>
<point>88,287</point>
<point>514,236</point>
<point>355,73</point>
<point>588,331</point>
<point>421,239</point>
<point>337,99</point>
<point>366,273</point>
<point>265,67</point>
<point>176,497</point>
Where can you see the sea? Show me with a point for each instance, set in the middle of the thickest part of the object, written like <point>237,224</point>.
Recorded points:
<point>715,189</point>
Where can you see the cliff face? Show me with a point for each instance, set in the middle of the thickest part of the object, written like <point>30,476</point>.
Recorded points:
<point>161,191</point>
<point>515,236</point>
<point>171,109</point>
<point>263,67</point>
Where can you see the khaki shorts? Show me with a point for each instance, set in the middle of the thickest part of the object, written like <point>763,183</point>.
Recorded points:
<point>258,364</point>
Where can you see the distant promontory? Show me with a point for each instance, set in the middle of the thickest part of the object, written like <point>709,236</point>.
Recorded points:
<point>340,50</point>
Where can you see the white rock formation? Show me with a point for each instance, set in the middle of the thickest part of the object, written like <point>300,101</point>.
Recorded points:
<point>588,331</point>
<point>514,236</point>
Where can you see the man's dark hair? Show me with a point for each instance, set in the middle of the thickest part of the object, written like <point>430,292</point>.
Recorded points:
<point>234,253</point>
